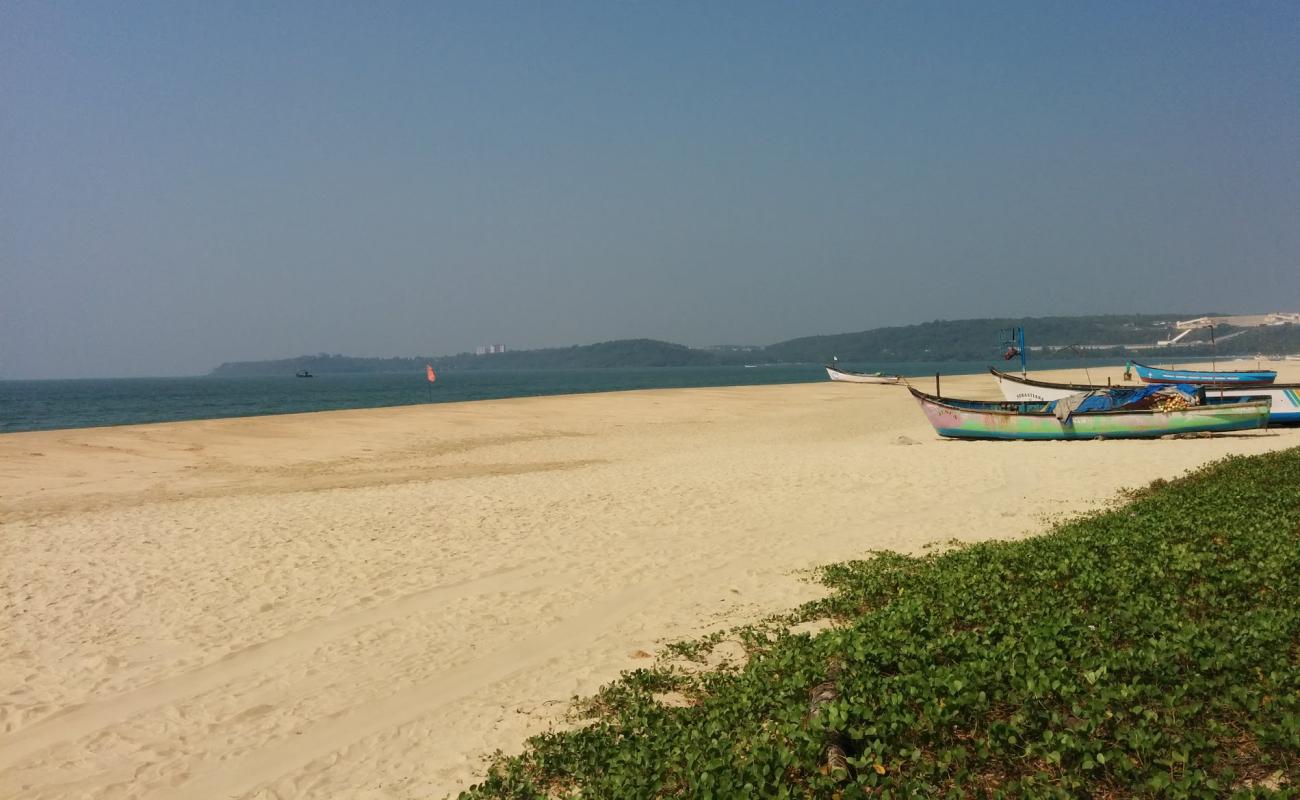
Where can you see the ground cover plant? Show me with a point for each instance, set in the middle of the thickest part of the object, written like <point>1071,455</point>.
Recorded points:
<point>1152,650</point>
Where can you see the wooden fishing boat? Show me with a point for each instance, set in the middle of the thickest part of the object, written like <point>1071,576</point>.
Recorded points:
<point>837,374</point>
<point>1284,397</point>
<point>1021,389</point>
<point>980,419</point>
<point>1159,375</point>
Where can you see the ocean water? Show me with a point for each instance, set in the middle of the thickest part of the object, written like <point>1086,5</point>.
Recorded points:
<point>52,404</point>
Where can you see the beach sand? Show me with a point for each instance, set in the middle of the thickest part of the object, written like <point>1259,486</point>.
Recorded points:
<point>365,603</point>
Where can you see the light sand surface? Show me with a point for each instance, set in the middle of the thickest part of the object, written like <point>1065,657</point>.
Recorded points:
<point>365,603</point>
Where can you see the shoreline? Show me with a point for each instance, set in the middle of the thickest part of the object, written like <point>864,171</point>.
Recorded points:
<point>398,390</point>
<point>370,600</point>
<point>129,416</point>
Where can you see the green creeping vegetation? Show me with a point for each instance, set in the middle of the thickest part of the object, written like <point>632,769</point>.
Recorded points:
<point>1152,651</point>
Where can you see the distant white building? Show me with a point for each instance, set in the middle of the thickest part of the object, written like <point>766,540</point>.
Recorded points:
<point>486,349</point>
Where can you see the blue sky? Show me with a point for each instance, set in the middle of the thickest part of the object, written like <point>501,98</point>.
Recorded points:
<point>183,184</point>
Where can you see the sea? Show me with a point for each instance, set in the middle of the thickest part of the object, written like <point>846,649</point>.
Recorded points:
<point>93,402</point>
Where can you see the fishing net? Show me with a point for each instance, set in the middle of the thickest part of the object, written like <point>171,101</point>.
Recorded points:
<point>1172,402</point>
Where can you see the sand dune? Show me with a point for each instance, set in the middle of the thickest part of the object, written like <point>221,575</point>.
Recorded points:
<point>365,603</point>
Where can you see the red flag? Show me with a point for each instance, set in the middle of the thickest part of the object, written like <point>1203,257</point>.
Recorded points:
<point>428,371</point>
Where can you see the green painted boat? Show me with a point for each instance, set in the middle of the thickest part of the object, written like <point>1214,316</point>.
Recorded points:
<point>981,419</point>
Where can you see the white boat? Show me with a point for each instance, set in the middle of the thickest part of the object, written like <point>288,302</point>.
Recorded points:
<point>1285,397</point>
<point>1028,390</point>
<point>847,376</point>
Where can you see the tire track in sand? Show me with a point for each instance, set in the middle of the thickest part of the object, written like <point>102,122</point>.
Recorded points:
<point>82,720</point>
<point>237,778</point>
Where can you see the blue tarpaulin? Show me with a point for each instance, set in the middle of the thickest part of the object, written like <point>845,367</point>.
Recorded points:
<point>1116,399</point>
<point>1113,399</point>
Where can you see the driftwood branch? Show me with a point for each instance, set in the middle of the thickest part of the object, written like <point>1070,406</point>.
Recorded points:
<point>834,758</point>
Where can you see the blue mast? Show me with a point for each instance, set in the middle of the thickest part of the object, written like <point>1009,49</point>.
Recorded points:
<point>1012,345</point>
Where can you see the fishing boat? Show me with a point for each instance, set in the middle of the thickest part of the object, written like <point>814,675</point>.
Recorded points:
<point>837,374</point>
<point>981,419</point>
<point>302,373</point>
<point>1285,397</point>
<point>1159,375</point>
<point>1022,389</point>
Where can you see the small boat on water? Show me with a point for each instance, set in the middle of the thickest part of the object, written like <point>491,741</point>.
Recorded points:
<point>302,373</point>
<point>1144,413</point>
<point>1285,397</point>
<point>847,376</point>
<point>1160,375</point>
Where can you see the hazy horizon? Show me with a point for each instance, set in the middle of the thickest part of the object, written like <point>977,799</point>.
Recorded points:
<point>432,355</point>
<point>190,185</point>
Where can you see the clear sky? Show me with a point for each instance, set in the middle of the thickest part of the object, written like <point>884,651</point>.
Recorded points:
<point>183,184</point>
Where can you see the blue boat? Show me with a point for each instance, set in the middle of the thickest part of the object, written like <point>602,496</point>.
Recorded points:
<point>1158,375</point>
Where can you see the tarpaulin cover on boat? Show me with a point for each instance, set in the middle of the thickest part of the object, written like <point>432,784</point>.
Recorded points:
<point>1116,399</point>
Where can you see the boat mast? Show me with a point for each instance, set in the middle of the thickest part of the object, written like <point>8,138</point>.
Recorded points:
<point>1012,345</point>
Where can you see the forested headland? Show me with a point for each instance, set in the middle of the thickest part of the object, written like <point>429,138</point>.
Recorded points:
<point>1114,336</point>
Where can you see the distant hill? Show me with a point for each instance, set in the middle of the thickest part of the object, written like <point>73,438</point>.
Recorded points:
<point>620,353</point>
<point>969,339</point>
<point>1116,336</point>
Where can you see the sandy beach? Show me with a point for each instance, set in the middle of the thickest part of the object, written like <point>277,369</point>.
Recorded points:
<point>364,604</point>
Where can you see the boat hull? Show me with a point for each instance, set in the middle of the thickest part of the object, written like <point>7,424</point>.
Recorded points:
<point>1284,399</point>
<point>1159,375</point>
<point>846,376</point>
<point>979,420</point>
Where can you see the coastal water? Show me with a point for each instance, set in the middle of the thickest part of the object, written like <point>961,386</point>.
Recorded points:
<point>51,404</point>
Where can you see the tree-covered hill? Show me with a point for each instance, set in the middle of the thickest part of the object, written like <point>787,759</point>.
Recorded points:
<point>1116,336</point>
<point>973,339</point>
<point>620,353</point>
